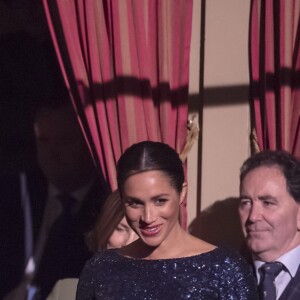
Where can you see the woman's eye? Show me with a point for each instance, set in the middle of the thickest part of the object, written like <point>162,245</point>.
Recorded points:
<point>120,228</point>
<point>160,201</point>
<point>133,203</point>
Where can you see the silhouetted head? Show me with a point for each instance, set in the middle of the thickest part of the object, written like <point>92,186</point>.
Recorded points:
<point>111,229</point>
<point>62,152</point>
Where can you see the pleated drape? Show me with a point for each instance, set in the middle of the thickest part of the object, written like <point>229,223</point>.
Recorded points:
<point>126,65</point>
<point>275,74</point>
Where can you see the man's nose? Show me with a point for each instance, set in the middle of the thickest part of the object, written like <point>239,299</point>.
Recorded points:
<point>255,213</point>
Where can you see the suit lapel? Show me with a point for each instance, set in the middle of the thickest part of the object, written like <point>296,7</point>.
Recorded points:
<point>37,187</point>
<point>91,206</point>
<point>292,291</point>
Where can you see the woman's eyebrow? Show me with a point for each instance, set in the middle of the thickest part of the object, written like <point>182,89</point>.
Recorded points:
<point>160,195</point>
<point>130,198</point>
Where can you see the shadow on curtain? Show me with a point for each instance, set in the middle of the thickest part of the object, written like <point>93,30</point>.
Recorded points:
<point>126,65</point>
<point>275,74</point>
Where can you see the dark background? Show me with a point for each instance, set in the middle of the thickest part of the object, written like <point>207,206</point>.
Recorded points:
<point>29,74</point>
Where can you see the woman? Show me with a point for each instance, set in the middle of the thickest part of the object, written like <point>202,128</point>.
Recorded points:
<point>165,262</point>
<point>111,231</point>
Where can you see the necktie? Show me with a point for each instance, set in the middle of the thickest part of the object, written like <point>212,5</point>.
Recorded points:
<point>67,201</point>
<point>269,272</point>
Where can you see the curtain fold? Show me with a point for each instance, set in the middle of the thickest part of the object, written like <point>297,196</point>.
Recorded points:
<point>275,73</point>
<point>126,65</point>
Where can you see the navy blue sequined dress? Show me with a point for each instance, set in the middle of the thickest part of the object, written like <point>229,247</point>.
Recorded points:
<point>218,274</point>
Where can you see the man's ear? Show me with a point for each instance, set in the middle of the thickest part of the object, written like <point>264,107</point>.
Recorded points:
<point>298,217</point>
<point>183,192</point>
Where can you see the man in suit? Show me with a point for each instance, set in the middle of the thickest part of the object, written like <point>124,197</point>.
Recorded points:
<point>71,199</point>
<point>270,216</point>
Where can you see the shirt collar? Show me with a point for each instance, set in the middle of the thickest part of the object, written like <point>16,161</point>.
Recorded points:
<point>291,260</point>
<point>78,194</point>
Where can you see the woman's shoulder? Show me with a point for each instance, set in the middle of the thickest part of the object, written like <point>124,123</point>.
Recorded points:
<point>221,261</point>
<point>227,256</point>
<point>222,252</point>
<point>229,265</point>
<point>100,259</point>
<point>196,248</point>
<point>95,267</point>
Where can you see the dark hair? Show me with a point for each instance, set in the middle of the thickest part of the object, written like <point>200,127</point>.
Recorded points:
<point>287,163</point>
<point>150,156</point>
<point>110,216</point>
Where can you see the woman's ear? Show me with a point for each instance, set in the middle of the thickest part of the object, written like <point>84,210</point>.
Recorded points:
<point>183,192</point>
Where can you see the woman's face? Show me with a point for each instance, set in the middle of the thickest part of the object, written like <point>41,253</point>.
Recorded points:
<point>152,207</point>
<point>122,235</point>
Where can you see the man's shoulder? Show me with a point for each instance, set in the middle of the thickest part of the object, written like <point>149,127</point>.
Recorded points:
<point>96,196</point>
<point>99,189</point>
<point>292,291</point>
<point>297,277</point>
<point>92,204</point>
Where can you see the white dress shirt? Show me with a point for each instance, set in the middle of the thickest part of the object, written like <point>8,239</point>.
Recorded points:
<point>291,261</point>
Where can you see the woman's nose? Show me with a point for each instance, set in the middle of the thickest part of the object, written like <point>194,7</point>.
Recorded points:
<point>148,215</point>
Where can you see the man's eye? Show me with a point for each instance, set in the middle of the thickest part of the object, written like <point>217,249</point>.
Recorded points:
<point>245,202</point>
<point>268,203</point>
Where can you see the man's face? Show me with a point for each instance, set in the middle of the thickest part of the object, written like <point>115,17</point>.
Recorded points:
<point>269,215</point>
<point>62,153</point>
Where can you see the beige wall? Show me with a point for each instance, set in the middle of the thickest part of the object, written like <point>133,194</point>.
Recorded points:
<point>225,130</point>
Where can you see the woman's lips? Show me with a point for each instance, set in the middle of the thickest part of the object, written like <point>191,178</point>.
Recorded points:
<point>151,231</point>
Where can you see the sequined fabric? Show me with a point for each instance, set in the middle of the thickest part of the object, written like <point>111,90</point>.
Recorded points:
<point>219,274</point>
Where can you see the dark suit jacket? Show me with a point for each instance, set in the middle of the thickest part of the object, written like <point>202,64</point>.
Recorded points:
<point>12,235</point>
<point>63,256</point>
<point>65,251</point>
<point>292,291</point>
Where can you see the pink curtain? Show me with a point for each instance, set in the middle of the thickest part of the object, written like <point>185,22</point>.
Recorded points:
<point>275,74</point>
<point>126,65</point>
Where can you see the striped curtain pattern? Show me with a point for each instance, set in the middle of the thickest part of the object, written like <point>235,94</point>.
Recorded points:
<point>126,65</point>
<point>275,73</point>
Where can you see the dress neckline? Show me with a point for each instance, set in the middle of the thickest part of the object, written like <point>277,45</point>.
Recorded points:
<point>137,259</point>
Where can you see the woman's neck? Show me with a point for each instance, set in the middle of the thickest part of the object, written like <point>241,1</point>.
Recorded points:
<point>171,247</point>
